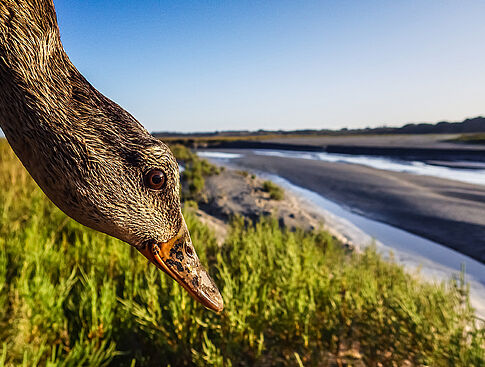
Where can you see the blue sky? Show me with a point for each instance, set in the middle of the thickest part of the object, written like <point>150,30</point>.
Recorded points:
<point>214,65</point>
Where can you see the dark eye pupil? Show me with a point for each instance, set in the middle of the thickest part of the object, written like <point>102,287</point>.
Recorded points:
<point>154,179</point>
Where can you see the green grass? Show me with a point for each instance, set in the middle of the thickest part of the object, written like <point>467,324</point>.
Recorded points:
<point>70,296</point>
<point>275,192</point>
<point>477,138</point>
<point>196,169</point>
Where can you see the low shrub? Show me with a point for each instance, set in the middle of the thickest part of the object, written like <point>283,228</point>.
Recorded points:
<point>194,173</point>
<point>275,192</point>
<point>476,138</point>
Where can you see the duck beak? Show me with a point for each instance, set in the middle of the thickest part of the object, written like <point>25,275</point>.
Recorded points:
<point>178,259</point>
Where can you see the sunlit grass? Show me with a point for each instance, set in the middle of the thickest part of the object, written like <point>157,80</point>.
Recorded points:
<point>196,169</point>
<point>70,296</point>
<point>476,138</point>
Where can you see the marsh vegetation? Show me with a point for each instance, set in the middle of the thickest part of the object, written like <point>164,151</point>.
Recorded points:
<point>478,138</point>
<point>275,192</point>
<point>70,296</point>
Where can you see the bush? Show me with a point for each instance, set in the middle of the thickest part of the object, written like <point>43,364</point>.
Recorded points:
<point>275,192</point>
<point>196,169</point>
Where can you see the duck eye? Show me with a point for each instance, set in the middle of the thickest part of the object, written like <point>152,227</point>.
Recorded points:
<point>154,179</point>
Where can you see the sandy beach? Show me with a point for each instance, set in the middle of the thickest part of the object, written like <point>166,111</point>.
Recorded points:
<point>446,211</point>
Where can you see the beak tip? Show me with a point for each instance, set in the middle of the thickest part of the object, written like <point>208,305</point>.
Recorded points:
<point>173,258</point>
<point>219,310</point>
<point>212,301</point>
<point>219,307</point>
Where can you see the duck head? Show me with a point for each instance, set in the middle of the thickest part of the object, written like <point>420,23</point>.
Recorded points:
<point>141,205</point>
<point>92,158</point>
<point>132,192</point>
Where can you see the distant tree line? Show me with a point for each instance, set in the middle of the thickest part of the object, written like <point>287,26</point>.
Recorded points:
<point>472,125</point>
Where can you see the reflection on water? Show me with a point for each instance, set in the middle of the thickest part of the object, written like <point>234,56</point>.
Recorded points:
<point>435,261</point>
<point>219,155</point>
<point>474,176</point>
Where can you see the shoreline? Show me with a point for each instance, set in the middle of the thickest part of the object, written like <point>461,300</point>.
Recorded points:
<point>403,153</point>
<point>234,193</point>
<point>447,212</point>
<point>420,147</point>
<point>433,261</point>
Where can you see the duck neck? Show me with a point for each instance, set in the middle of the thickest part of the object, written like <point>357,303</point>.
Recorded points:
<point>33,65</point>
<point>43,97</point>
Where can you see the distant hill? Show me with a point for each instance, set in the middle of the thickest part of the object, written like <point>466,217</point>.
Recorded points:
<point>473,125</point>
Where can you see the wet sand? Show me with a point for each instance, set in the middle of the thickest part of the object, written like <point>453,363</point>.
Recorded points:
<point>436,148</point>
<point>406,141</point>
<point>449,212</point>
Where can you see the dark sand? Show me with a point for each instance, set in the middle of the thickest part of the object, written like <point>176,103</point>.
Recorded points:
<point>449,212</point>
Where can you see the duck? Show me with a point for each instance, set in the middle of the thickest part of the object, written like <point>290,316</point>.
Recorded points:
<point>90,157</point>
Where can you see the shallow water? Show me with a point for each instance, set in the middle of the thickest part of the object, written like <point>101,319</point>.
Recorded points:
<point>434,260</point>
<point>219,155</point>
<point>474,176</point>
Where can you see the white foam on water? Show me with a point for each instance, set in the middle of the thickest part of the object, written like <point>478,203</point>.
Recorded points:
<point>218,155</point>
<point>473,176</point>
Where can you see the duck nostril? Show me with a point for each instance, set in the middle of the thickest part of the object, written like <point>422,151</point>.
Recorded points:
<point>189,250</point>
